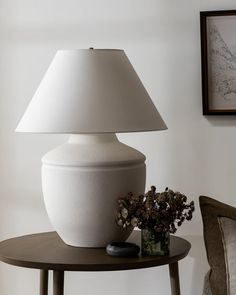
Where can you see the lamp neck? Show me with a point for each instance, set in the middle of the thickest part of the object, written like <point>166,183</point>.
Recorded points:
<point>92,138</point>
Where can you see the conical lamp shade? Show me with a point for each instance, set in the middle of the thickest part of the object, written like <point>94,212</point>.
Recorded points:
<point>90,91</point>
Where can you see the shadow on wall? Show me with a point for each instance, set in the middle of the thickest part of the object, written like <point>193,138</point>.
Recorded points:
<point>22,212</point>
<point>221,121</point>
<point>199,262</point>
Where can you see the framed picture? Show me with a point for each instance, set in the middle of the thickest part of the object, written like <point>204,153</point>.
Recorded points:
<point>218,48</point>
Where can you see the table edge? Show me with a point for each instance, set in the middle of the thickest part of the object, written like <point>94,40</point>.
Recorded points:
<point>164,260</point>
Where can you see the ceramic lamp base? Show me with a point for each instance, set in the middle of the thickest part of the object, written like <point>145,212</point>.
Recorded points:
<point>82,181</point>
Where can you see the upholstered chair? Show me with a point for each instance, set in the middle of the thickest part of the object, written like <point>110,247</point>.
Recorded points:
<point>219,229</point>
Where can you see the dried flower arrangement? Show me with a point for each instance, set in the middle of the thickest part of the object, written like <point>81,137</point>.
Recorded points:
<point>161,212</point>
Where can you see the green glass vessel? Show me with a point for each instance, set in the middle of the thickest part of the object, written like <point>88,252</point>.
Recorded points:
<point>155,244</point>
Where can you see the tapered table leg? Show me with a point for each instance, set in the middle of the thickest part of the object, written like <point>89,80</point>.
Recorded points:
<point>43,282</point>
<point>174,278</point>
<point>58,282</point>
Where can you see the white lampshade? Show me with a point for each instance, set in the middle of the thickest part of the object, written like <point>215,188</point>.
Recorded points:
<point>90,91</point>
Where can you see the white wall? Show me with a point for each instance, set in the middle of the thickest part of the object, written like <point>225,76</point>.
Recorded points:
<point>196,155</point>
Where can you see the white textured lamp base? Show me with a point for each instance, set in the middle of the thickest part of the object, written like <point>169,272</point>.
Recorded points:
<point>82,181</point>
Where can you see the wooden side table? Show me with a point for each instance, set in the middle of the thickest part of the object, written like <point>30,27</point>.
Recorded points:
<point>46,251</point>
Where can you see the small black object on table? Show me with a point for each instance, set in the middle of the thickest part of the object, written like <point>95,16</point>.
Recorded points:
<point>122,249</point>
<point>46,251</point>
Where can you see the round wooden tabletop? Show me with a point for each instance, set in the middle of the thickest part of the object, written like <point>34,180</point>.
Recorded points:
<point>47,251</point>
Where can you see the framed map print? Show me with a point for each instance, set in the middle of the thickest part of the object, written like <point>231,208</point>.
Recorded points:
<point>218,51</point>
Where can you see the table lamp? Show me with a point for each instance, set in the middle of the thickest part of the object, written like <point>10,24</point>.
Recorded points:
<point>90,94</point>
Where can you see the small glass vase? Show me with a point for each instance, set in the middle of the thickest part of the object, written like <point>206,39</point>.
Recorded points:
<point>155,244</point>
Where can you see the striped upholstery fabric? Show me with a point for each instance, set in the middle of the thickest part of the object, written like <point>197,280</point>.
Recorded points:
<point>219,228</point>
<point>228,229</point>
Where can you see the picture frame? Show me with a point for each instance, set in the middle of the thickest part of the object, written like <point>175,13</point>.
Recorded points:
<point>218,61</point>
